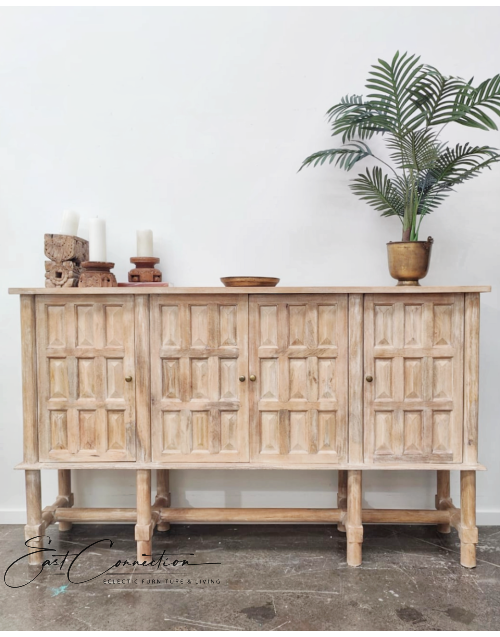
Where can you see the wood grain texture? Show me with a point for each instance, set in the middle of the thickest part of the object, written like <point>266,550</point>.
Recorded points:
<point>400,466</point>
<point>163,498</point>
<point>34,524</point>
<point>298,354</point>
<point>63,247</point>
<point>144,272</point>
<point>471,377</point>
<point>354,523</point>
<point>115,514</point>
<point>97,274</point>
<point>356,379</point>
<point>468,529</point>
<point>439,289</point>
<point>62,275</point>
<point>405,516</point>
<point>29,379</point>
<point>142,377</point>
<point>208,515</point>
<point>257,515</point>
<point>143,528</point>
<point>49,512</point>
<point>99,366</point>
<point>414,353</point>
<point>64,489</point>
<point>199,349</point>
<point>443,496</point>
<point>85,351</point>
<point>342,497</point>
<point>66,253</point>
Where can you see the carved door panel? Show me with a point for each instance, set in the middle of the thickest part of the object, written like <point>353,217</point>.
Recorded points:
<point>85,348</point>
<point>199,349</point>
<point>298,353</point>
<point>414,353</point>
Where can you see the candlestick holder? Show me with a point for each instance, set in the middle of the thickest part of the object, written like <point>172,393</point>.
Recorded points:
<point>97,274</point>
<point>66,254</point>
<point>144,272</point>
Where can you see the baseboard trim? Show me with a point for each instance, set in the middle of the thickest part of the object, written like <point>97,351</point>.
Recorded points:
<point>18,516</point>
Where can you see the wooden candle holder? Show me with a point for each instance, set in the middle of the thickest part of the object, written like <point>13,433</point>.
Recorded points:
<point>66,254</point>
<point>144,272</point>
<point>97,274</point>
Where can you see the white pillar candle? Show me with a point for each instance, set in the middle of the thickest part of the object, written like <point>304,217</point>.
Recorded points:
<point>97,239</point>
<point>145,243</point>
<point>70,221</point>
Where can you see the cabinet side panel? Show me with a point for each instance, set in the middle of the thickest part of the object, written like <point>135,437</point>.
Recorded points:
<point>471,377</point>
<point>28,351</point>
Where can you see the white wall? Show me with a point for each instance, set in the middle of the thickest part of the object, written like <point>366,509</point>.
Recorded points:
<point>194,122</point>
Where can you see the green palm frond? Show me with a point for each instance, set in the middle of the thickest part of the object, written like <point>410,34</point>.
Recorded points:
<point>431,201</point>
<point>451,99</point>
<point>456,165</point>
<point>418,150</point>
<point>344,157</point>
<point>379,191</point>
<point>470,104</point>
<point>430,196</point>
<point>346,103</point>
<point>394,86</point>
<point>353,118</point>
<point>406,101</point>
<point>436,95</point>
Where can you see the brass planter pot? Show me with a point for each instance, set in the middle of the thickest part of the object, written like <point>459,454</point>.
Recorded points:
<point>409,260</point>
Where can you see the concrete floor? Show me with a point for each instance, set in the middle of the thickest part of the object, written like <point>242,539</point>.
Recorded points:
<point>270,578</point>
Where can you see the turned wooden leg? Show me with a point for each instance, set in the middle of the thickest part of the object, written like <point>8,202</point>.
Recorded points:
<point>342,496</point>
<point>354,527</point>
<point>34,526</point>
<point>144,526</point>
<point>443,494</point>
<point>163,494</point>
<point>64,479</point>
<point>468,528</point>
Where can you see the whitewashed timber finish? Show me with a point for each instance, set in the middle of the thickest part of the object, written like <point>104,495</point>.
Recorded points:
<point>310,350</point>
<point>199,349</point>
<point>298,352</point>
<point>348,379</point>
<point>414,353</point>
<point>85,350</point>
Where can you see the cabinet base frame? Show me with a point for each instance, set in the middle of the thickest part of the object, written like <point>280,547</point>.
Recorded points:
<point>349,516</point>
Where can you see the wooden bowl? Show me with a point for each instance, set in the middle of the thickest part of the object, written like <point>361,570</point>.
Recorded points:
<point>249,281</point>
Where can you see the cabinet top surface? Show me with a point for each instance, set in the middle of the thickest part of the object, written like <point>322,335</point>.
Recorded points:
<point>440,289</point>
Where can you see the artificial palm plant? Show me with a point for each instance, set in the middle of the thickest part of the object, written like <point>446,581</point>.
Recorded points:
<point>410,103</point>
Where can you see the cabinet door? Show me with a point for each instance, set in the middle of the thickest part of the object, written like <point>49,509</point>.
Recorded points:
<point>85,348</point>
<point>199,349</point>
<point>414,353</point>
<point>298,352</point>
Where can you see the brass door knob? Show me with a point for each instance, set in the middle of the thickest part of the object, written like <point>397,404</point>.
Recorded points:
<point>253,377</point>
<point>369,379</point>
<point>128,379</point>
<point>242,379</point>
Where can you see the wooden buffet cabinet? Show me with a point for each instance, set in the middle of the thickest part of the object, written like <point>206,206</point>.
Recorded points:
<point>345,379</point>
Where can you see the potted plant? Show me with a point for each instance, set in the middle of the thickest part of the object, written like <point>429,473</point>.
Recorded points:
<point>410,104</point>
